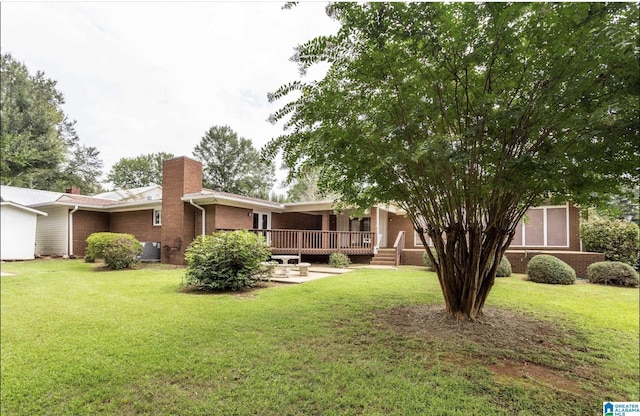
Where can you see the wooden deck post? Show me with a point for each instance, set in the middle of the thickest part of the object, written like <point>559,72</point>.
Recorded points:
<point>326,220</point>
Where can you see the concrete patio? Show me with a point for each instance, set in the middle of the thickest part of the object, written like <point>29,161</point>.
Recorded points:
<point>319,271</point>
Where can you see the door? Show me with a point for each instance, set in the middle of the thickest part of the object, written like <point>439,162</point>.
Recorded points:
<point>262,221</point>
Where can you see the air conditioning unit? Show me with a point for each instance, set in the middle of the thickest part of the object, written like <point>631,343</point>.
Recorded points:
<point>150,251</point>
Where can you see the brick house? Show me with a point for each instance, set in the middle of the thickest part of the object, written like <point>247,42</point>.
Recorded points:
<point>167,218</point>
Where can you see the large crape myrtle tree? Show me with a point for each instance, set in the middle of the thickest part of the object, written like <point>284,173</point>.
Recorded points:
<point>465,115</point>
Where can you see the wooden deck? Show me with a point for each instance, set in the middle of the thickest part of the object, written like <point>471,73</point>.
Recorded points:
<point>319,242</point>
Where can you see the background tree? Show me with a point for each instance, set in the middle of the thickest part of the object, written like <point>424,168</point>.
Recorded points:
<point>138,171</point>
<point>304,187</point>
<point>624,207</point>
<point>465,115</point>
<point>232,163</point>
<point>40,147</point>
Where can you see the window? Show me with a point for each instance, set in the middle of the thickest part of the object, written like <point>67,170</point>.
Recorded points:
<point>545,227</point>
<point>157,217</point>
<point>417,242</point>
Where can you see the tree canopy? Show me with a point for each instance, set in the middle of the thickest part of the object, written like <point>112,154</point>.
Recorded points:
<point>465,115</point>
<point>39,143</point>
<point>138,171</point>
<point>233,164</point>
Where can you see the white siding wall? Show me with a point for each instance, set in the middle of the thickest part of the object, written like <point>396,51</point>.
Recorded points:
<point>18,233</point>
<point>52,232</point>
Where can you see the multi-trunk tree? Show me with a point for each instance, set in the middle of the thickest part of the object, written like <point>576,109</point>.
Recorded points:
<point>465,115</point>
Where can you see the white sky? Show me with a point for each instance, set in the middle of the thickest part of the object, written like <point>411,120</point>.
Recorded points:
<point>147,77</point>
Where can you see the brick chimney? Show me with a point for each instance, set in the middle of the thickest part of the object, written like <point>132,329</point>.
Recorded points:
<point>180,175</point>
<point>73,190</point>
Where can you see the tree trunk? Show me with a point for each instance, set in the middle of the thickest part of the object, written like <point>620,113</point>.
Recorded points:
<point>466,264</point>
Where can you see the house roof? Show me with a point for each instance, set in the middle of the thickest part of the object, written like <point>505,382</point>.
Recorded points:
<point>27,197</point>
<point>124,200</point>
<point>130,194</point>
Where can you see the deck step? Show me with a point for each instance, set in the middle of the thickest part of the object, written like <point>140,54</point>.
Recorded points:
<point>384,257</point>
<point>378,262</point>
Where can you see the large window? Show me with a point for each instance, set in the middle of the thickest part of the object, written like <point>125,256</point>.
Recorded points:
<point>157,217</point>
<point>543,227</point>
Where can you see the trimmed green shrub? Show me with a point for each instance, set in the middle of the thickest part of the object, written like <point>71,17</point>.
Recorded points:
<point>227,260</point>
<point>339,260</point>
<point>612,273</point>
<point>617,239</point>
<point>119,251</point>
<point>544,268</point>
<point>427,260</point>
<point>504,268</point>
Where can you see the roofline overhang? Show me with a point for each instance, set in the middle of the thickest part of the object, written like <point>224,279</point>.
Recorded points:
<point>211,199</point>
<point>127,206</point>
<point>22,207</point>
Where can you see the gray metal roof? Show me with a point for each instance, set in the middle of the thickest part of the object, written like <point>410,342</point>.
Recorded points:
<point>128,194</point>
<point>24,196</point>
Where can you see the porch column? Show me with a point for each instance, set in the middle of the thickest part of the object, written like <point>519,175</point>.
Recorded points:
<point>326,217</point>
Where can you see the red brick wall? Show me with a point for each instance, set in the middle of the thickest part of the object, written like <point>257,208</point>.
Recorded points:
<point>296,221</point>
<point>374,223</point>
<point>138,223</point>
<point>412,257</point>
<point>210,212</point>
<point>86,223</point>
<point>399,223</point>
<point>576,259</point>
<point>234,218</point>
<point>181,175</point>
<point>574,228</point>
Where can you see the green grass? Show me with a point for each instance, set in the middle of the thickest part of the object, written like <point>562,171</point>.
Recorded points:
<point>77,340</point>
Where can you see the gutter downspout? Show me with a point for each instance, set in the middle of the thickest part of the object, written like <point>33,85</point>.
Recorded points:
<point>204,215</point>
<point>378,233</point>
<point>75,208</point>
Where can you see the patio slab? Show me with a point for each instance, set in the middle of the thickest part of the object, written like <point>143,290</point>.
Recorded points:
<point>314,274</point>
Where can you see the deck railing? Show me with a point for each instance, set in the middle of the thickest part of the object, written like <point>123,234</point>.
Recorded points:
<point>319,242</point>
<point>398,245</point>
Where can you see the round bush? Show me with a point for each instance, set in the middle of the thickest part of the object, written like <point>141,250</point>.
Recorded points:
<point>617,239</point>
<point>427,260</point>
<point>544,268</point>
<point>227,260</point>
<point>612,273</point>
<point>504,268</point>
<point>119,251</point>
<point>339,260</point>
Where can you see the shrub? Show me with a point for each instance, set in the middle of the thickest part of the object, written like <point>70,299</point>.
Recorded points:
<point>339,260</point>
<point>544,268</point>
<point>612,273</point>
<point>227,260</point>
<point>617,239</point>
<point>119,251</point>
<point>504,268</point>
<point>427,260</point>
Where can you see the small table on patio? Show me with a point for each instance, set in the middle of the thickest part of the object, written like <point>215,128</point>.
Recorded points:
<point>285,262</point>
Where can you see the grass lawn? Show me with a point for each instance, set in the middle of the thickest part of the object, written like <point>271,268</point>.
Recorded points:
<point>82,341</point>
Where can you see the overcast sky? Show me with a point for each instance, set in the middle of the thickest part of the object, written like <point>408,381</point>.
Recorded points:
<point>154,76</point>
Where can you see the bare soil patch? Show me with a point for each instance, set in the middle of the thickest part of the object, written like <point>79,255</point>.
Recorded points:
<point>515,347</point>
